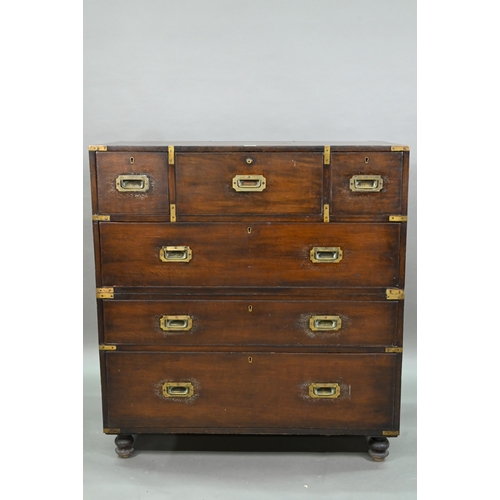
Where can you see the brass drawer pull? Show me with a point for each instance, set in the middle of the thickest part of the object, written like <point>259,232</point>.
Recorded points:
<point>177,389</point>
<point>366,183</point>
<point>325,323</point>
<point>326,254</point>
<point>132,183</point>
<point>249,183</point>
<point>326,390</point>
<point>176,254</point>
<point>176,323</point>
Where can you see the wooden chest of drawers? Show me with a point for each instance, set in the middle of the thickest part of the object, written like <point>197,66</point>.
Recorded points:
<point>252,289</point>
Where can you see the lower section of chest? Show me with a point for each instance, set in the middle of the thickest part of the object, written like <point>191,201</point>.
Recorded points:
<point>252,392</point>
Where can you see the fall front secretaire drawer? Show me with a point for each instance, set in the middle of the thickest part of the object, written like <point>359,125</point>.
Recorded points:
<point>252,390</point>
<point>256,254</point>
<point>253,183</point>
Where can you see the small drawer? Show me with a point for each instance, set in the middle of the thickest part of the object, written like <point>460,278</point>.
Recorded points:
<point>367,183</point>
<point>132,183</point>
<point>252,183</point>
<point>251,322</point>
<point>252,390</point>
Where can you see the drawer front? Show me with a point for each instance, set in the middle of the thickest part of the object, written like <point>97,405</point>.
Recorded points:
<point>249,183</point>
<point>132,183</point>
<point>367,183</point>
<point>251,322</point>
<point>257,390</point>
<point>257,254</point>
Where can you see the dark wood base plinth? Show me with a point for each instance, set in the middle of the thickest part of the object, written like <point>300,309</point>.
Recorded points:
<point>377,446</point>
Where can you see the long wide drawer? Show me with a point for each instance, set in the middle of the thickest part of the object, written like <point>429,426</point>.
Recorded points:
<point>207,322</point>
<point>252,390</point>
<point>256,254</point>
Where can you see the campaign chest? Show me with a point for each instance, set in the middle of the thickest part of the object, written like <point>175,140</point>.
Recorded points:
<point>250,288</point>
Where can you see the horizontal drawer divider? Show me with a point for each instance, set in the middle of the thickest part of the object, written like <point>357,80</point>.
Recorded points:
<point>208,293</point>
<point>207,219</point>
<point>250,348</point>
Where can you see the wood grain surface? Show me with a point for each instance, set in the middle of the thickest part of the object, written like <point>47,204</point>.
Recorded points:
<point>251,322</point>
<point>271,255</point>
<point>270,391</point>
<point>112,165</point>
<point>390,200</point>
<point>294,183</point>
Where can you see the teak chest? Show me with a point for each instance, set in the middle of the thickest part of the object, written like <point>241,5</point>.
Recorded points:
<point>250,288</point>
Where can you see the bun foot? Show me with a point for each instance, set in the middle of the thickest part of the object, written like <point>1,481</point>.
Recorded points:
<point>377,448</point>
<point>124,445</point>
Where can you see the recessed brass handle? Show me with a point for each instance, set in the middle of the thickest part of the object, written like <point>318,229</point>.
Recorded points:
<point>177,389</point>
<point>249,183</point>
<point>325,323</point>
<point>176,323</point>
<point>132,183</point>
<point>326,390</point>
<point>366,183</point>
<point>326,254</point>
<point>176,254</point>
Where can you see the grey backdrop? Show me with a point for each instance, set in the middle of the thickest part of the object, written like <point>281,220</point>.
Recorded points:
<point>247,71</point>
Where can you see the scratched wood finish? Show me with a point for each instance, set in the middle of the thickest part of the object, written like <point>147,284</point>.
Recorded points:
<point>387,201</point>
<point>294,183</point>
<point>228,255</point>
<point>250,322</point>
<point>111,165</point>
<point>250,370</point>
<point>270,391</point>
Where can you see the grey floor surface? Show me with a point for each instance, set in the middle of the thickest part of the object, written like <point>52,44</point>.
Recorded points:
<point>247,467</point>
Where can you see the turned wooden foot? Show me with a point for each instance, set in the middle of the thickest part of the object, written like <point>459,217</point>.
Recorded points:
<point>124,445</point>
<point>377,448</point>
